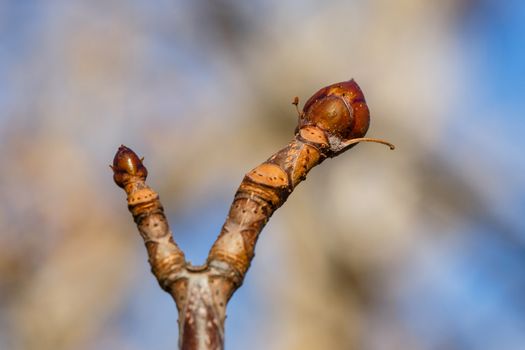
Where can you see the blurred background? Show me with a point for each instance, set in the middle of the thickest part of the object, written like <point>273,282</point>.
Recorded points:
<point>420,248</point>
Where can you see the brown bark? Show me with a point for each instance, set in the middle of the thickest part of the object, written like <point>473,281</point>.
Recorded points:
<point>334,119</point>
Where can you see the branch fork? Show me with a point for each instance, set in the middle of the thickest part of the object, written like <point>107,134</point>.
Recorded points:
<point>333,120</point>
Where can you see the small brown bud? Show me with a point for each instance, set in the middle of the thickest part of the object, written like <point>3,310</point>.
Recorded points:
<point>126,166</point>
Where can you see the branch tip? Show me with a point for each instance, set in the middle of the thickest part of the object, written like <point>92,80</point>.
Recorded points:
<point>127,165</point>
<point>331,121</point>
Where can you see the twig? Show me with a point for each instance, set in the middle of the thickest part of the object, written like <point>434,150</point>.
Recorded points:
<point>332,121</point>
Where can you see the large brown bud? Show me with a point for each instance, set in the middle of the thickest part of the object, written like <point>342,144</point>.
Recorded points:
<point>338,109</point>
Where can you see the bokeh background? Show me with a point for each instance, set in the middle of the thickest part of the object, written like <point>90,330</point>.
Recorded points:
<point>420,248</point>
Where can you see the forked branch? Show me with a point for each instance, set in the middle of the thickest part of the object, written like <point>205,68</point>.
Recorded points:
<point>333,120</point>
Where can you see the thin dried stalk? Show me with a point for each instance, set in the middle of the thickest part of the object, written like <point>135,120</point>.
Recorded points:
<point>334,120</point>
